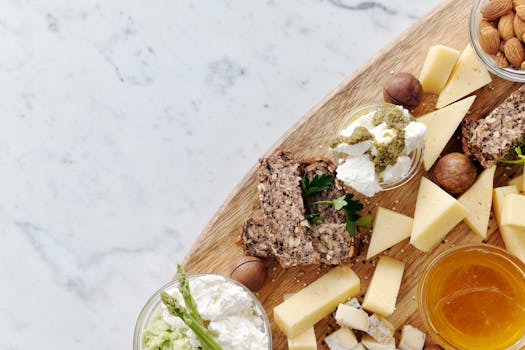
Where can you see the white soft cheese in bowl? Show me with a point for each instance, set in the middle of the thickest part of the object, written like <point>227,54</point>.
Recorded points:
<point>233,315</point>
<point>379,148</point>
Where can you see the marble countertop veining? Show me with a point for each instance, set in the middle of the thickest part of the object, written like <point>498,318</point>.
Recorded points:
<point>125,124</point>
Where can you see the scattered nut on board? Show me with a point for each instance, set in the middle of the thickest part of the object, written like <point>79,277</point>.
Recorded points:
<point>249,271</point>
<point>455,173</point>
<point>403,89</point>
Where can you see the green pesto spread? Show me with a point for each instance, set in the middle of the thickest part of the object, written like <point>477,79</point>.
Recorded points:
<point>387,153</point>
<point>159,335</point>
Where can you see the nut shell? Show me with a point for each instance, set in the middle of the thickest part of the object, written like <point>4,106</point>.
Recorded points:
<point>403,89</point>
<point>250,271</point>
<point>455,173</point>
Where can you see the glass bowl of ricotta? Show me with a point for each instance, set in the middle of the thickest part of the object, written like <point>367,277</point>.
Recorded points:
<point>234,317</point>
<point>380,147</point>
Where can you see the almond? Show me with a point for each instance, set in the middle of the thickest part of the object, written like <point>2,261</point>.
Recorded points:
<point>519,27</point>
<point>496,8</point>
<point>501,60</point>
<point>506,26</point>
<point>514,52</point>
<point>518,2</point>
<point>520,11</point>
<point>489,39</point>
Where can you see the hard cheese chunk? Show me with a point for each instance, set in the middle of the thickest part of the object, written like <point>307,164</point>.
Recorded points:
<point>514,238</point>
<point>341,339</point>
<point>468,75</point>
<point>441,125</point>
<point>411,338</point>
<point>477,201</point>
<point>436,214</point>
<point>305,340</point>
<point>390,228</point>
<point>513,211</point>
<point>436,70</point>
<point>518,181</point>
<point>371,344</point>
<point>348,316</point>
<point>302,310</point>
<point>380,329</point>
<point>382,292</point>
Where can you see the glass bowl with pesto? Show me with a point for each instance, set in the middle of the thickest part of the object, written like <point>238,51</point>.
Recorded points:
<point>380,147</point>
<point>231,314</point>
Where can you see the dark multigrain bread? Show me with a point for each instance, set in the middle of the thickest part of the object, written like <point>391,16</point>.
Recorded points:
<point>281,200</point>
<point>490,139</point>
<point>326,242</point>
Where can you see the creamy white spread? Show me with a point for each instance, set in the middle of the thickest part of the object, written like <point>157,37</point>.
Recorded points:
<point>234,320</point>
<point>357,170</point>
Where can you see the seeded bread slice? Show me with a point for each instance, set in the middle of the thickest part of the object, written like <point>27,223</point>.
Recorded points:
<point>333,242</point>
<point>491,139</point>
<point>255,238</point>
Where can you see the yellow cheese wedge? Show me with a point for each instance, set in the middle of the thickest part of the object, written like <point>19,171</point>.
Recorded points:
<point>390,228</point>
<point>441,125</point>
<point>354,318</point>
<point>305,340</point>
<point>302,310</point>
<point>468,75</point>
<point>436,214</point>
<point>477,200</point>
<point>514,238</point>
<point>512,212</point>
<point>382,292</point>
<point>518,181</point>
<point>436,70</point>
<point>341,339</point>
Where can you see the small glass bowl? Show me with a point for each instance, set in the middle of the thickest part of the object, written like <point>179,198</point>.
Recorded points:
<point>462,256</point>
<point>504,73</point>
<point>416,156</point>
<point>154,303</point>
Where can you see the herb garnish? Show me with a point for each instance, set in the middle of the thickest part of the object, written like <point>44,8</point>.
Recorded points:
<point>351,208</point>
<point>318,184</point>
<point>314,218</point>
<point>519,153</point>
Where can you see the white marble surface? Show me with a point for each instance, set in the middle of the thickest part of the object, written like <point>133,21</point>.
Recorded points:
<point>124,126</point>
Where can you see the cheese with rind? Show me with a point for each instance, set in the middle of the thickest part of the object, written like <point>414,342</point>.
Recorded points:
<point>468,75</point>
<point>389,229</point>
<point>436,214</point>
<point>314,302</point>
<point>341,339</point>
<point>437,67</point>
<point>477,201</point>
<point>382,292</point>
<point>441,125</point>
<point>513,238</point>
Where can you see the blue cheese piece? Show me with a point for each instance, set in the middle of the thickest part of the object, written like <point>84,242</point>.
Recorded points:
<point>380,329</point>
<point>354,303</point>
<point>341,339</point>
<point>411,338</point>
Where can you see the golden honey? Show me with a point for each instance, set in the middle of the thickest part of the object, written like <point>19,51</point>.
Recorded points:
<point>474,298</point>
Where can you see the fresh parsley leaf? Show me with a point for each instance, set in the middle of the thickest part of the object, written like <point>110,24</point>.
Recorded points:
<point>317,184</point>
<point>314,218</point>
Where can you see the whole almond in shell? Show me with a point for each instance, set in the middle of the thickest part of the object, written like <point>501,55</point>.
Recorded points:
<point>519,27</point>
<point>489,39</point>
<point>506,26</point>
<point>514,52</point>
<point>494,9</point>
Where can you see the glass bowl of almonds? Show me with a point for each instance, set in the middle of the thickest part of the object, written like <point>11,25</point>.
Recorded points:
<point>497,34</point>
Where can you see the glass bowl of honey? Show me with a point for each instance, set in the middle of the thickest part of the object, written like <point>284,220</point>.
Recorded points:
<point>473,297</point>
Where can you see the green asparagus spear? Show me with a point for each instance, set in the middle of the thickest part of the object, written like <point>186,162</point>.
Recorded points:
<point>184,289</point>
<point>197,327</point>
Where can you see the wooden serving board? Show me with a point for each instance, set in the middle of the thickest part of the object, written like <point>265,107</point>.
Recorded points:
<point>217,246</point>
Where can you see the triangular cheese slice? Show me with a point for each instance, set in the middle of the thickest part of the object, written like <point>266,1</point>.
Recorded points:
<point>390,228</point>
<point>468,75</point>
<point>436,214</point>
<point>477,200</point>
<point>441,125</point>
<point>514,238</point>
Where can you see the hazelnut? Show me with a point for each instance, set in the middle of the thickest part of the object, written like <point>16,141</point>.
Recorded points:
<point>403,89</point>
<point>455,173</point>
<point>249,271</point>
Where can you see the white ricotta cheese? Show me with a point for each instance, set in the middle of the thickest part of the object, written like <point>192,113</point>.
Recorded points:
<point>359,172</point>
<point>233,317</point>
<point>414,136</point>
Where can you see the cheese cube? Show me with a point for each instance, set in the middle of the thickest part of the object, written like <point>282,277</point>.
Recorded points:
<point>468,75</point>
<point>477,201</point>
<point>351,317</point>
<point>341,339</point>
<point>411,338</point>
<point>438,65</point>
<point>372,344</point>
<point>380,329</point>
<point>314,302</point>
<point>441,125</point>
<point>514,238</point>
<point>512,213</point>
<point>390,228</point>
<point>436,214</point>
<point>382,292</point>
<point>305,340</point>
